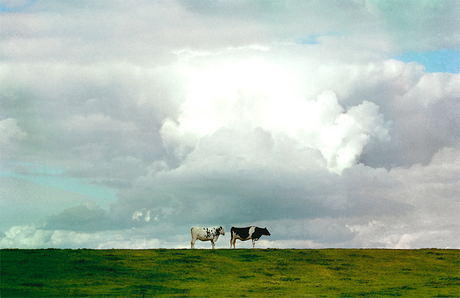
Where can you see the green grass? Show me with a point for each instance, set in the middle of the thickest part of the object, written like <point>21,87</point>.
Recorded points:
<point>233,273</point>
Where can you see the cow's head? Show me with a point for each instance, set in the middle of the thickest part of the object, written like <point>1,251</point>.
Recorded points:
<point>265,232</point>
<point>221,230</point>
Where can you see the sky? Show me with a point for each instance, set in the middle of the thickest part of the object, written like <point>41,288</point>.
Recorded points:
<point>335,124</point>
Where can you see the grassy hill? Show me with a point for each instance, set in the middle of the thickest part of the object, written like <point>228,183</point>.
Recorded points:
<point>233,273</point>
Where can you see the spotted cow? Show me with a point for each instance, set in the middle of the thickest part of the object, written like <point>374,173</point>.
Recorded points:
<point>243,234</point>
<point>206,234</point>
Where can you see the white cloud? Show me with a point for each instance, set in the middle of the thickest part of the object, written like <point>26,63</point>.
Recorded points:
<point>30,236</point>
<point>245,94</point>
<point>25,237</point>
<point>138,214</point>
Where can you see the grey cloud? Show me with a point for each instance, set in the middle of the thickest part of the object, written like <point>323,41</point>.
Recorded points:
<point>410,25</point>
<point>327,231</point>
<point>24,201</point>
<point>79,218</point>
<point>11,136</point>
<point>151,31</point>
<point>90,113</point>
<point>421,113</point>
<point>421,26</point>
<point>294,18</point>
<point>216,184</point>
<point>424,121</point>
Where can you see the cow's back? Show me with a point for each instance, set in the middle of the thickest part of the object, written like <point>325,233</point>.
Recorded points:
<point>203,233</point>
<point>241,233</point>
<point>197,232</point>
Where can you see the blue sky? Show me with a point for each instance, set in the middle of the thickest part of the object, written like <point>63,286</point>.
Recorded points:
<point>16,6</point>
<point>57,179</point>
<point>444,60</point>
<point>124,123</point>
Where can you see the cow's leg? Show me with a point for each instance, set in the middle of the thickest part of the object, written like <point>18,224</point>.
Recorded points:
<point>253,243</point>
<point>213,244</point>
<point>192,243</point>
<point>232,242</point>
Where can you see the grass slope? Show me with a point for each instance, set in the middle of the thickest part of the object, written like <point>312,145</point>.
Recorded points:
<point>224,272</point>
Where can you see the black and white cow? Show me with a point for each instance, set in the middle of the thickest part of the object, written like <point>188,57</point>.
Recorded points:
<point>206,234</point>
<point>253,233</point>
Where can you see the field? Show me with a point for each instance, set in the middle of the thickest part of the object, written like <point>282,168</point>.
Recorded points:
<point>230,273</point>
